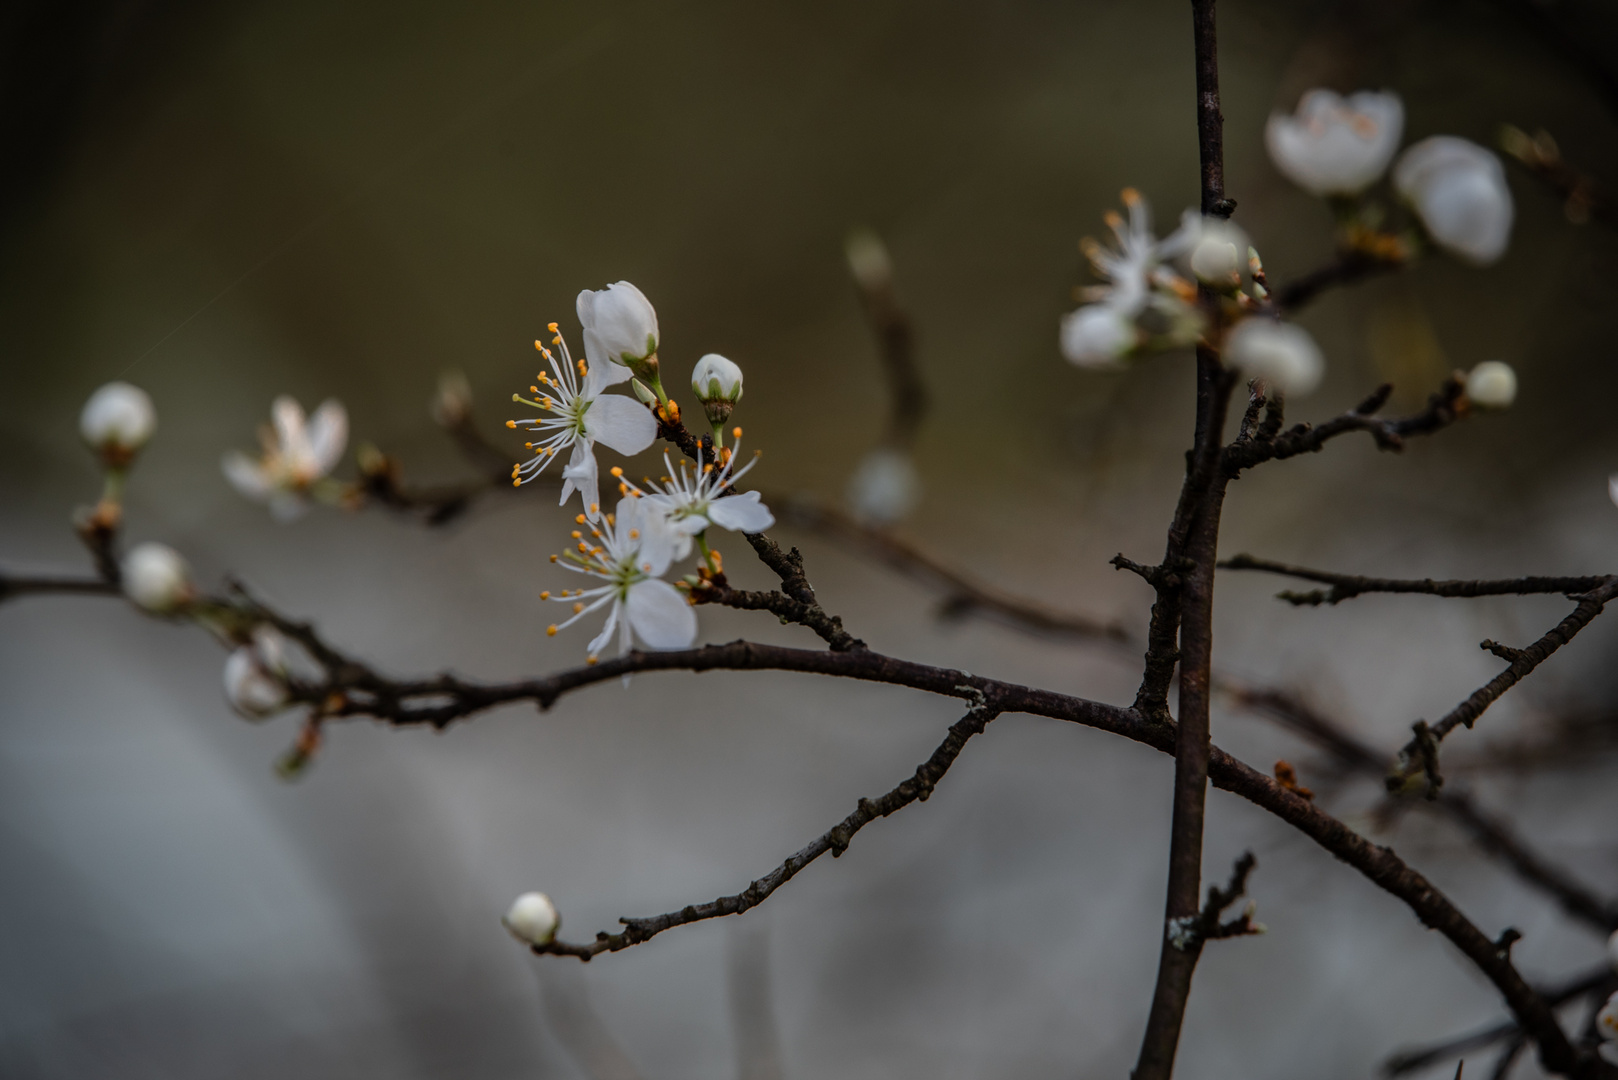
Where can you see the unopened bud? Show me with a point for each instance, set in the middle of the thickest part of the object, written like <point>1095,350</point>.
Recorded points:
<point>620,327</point>
<point>1492,385</point>
<point>868,260</point>
<point>717,382</point>
<point>255,675</point>
<point>1098,336</point>
<point>1282,354</point>
<point>117,421</point>
<point>1219,253</point>
<point>452,404</point>
<point>533,919</point>
<point>156,577</point>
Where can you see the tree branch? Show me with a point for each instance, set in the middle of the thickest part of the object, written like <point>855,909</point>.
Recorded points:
<point>1348,586</point>
<point>829,627</point>
<point>916,788</point>
<point>1347,267</point>
<point>14,585</point>
<point>1443,408</point>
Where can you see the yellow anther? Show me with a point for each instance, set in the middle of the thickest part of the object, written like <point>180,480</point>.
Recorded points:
<point>552,328</point>
<point>550,631</point>
<point>591,661</point>
<point>511,423</point>
<point>533,389</point>
<point>577,535</point>
<point>578,606</point>
<point>516,483</point>
<point>634,534</point>
<point>538,346</point>
<point>617,470</point>
<point>579,518</point>
<point>623,489</point>
<point>545,595</point>
<point>585,548</point>
<point>596,533</point>
<point>595,508</point>
<point>553,558</point>
<point>1130,196</point>
<point>1113,219</point>
<point>708,468</point>
<point>736,432</point>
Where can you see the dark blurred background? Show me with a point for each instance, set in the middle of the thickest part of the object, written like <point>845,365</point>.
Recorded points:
<point>225,202</point>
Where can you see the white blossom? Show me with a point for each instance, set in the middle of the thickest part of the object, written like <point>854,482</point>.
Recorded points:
<point>885,487</point>
<point>1459,191</point>
<point>533,919</point>
<point>620,327</point>
<point>297,455</point>
<point>157,578</point>
<point>1128,267</point>
<point>629,551</point>
<point>868,260</point>
<point>1282,354</point>
<point>255,675</point>
<point>1607,1028</point>
<point>693,499</point>
<point>1492,385</point>
<point>117,421</point>
<point>1334,145</point>
<point>580,415</point>
<point>1098,336</point>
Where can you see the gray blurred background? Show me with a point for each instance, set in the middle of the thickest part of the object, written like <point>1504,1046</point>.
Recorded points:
<point>226,202</point>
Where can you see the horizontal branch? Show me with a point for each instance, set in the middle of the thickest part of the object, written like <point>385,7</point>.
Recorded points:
<point>835,840</point>
<point>1443,408</point>
<point>784,607</point>
<point>13,585</point>
<point>1347,586</point>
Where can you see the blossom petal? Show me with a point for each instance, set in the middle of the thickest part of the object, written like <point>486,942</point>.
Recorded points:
<point>245,475</point>
<point>287,416</point>
<point>599,642</point>
<point>585,305</point>
<point>661,615</point>
<point>594,351</point>
<point>328,434</point>
<point>743,513</point>
<point>620,422</point>
<point>579,474</point>
<point>659,543</point>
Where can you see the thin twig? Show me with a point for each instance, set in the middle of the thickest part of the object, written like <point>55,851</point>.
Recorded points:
<point>1443,408</point>
<point>13,585</point>
<point>1347,586</point>
<point>835,840</point>
<point>1346,268</point>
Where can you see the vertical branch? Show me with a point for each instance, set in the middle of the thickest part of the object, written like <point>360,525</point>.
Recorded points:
<point>1201,500</point>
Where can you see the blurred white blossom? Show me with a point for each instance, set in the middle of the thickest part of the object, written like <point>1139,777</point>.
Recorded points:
<point>1334,145</point>
<point>868,260</point>
<point>255,675</point>
<point>1459,191</point>
<point>581,415</point>
<point>629,550</point>
<point>885,487</point>
<point>297,455</point>
<point>1607,1027</point>
<point>533,919</point>
<point>1098,336</point>
<point>1492,385</point>
<point>452,403</point>
<point>620,327</point>
<point>117,421</point>
<point>1216,249</point>
<point>1282,354</point>
<point>157,578</point>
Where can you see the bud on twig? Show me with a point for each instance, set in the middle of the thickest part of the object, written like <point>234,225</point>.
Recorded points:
<point>116,422</point>
<point>156,578</point>
<point>533,919</point>
<point>1492,385</point>
<point>717,382</point>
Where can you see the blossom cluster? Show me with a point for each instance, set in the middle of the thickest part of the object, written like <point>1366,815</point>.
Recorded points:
<point>1204,283</point>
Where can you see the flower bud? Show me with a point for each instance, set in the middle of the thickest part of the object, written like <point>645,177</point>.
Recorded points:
<point>620,327</point>
<point>1219,253</point>
<point>717,382</point>
<point>117,421</point>
<point>1492,385</point>
<point>1282,354</point>
<point>533,919</point>
<point>452,404</point>
<point>885,487</point>
<point>255,675</point>
<point>645,395</point>
<point>868,260</point>
<point>1097,336</point>
<point>1458,189</point>
<point>156,577</point>
<point>1334,145</point>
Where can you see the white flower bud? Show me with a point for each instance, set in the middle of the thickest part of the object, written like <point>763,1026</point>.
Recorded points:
<point>716,379</point>
<point>885,487</point>
<point>156,577</point>
<point>1334,145</point>
<point>1492,385</point>
<point>1282,354</point>
<point>1219,252</point>
<point>533,919</point>
<point>868,260</point>
<point>452,404</point>
<point>117,421</point>
<point>255,675</point>
<point>1097,336</point>
<point>1459,190</point>
<point>620,327</point>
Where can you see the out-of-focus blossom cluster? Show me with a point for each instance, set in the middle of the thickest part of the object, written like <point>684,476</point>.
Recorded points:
<point>1338,147</point>
<point>296,460</point>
